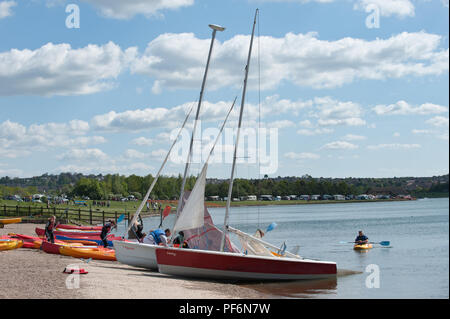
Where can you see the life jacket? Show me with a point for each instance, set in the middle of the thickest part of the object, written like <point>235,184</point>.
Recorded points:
<point>156,234</point>
<point>50,226</point>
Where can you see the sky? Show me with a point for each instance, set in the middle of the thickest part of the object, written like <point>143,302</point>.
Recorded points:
<point>342,88</point>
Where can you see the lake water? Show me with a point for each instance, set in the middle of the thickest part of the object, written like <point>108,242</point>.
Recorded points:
<point>416,265</point>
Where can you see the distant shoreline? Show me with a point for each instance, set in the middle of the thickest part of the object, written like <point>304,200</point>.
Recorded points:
<point>219,204</point>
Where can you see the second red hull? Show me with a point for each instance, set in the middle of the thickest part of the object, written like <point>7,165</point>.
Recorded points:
<point>219,265</point>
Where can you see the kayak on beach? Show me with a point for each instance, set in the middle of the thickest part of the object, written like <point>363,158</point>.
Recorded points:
<point>83,228</point>
<point>6,221</point>
<point>98,253</point>
<point>10,244</point>
<point>75,234</point>
<point>54,248</point>
<point>81,238</point>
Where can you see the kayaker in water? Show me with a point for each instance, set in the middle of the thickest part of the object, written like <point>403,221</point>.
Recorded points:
<point>158,237</point>
<point>49,227</point>
<point>105,230</point>
<point>361,238</point>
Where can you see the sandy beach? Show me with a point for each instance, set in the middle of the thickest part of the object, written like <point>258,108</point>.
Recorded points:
<point>34,274</point>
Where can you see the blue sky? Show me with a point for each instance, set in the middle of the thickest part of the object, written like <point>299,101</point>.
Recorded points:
<point>347,99</point>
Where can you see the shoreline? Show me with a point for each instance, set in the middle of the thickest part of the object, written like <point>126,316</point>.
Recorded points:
<point>220,204</point>
<point>34,274</point>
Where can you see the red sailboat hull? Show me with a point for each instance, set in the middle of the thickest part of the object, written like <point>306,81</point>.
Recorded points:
<point>221,265</point>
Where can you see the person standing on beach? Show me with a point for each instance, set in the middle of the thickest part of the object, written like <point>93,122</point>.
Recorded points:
<point>105,230</point>
<point>49,227</point>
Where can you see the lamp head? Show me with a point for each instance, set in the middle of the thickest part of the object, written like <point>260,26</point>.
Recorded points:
<point>216,27</point>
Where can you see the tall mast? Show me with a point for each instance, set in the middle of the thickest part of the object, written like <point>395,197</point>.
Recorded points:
<point>230,187</point>
<point>215,28</point>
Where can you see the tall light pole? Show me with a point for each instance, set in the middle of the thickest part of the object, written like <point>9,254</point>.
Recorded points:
<point>215,28</point>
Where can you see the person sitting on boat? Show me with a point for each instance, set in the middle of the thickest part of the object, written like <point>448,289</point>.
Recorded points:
<point>105,230</point>
<point>361,238</point>
<point>158,237</point>
<point>49,227</point>
<point>179,241</point>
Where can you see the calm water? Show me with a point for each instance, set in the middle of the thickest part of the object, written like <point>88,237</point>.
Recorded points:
<point>415,266</point>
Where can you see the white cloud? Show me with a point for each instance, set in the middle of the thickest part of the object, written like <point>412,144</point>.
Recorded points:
<point>301,156</point>
<point>281,124</point>
<point>317,131</point>
<point>438,121</point>
<point>58,69</point>
<point>5,8</point>
<point>82,155</point>
<point>404,108</point>
<point>332,112</point>
<point>340,145</point>
<point>133,154</point>
<point>120,9</point>
<point>17,140</point>
<point>302,59</point>
<point>394,146</point>
<point>142,141</point>
<point>387,8</point>
<point>352,137</point>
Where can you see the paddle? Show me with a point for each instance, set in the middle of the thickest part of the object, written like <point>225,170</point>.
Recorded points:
<point>382,243</point>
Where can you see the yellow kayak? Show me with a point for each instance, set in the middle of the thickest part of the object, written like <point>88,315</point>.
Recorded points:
<point>10,244</point>
<point>362,246</point>
<point>10,221</point>
<point>86,253</point>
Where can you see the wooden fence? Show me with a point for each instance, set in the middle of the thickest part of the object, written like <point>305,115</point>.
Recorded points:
<point>69,214</point>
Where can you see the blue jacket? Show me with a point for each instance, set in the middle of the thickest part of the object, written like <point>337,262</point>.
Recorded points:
<point>156,234</point>
<point>361,238</point>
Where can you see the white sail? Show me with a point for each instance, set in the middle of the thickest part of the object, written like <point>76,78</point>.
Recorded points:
<point>192,215</point>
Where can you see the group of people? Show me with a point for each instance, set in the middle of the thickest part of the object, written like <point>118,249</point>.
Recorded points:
<point>155,237</point>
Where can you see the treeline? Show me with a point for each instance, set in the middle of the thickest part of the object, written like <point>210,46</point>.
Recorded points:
<point>115,186</point>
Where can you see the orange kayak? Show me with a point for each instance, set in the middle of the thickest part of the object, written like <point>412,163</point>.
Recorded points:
<point>98,253</point>
<point>10,244</point>
<point>6,221</point>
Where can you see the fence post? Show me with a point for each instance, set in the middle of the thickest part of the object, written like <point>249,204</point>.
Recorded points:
<point>115,216</point>
<point>17,210</point>
<point>90,217</point>
<point>79,215</point>
<point>103,217</point>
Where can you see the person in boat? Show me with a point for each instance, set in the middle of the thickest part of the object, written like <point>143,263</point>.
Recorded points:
<point>136,230</point>
<point>158,237</point>
<point>179,241</point>
<point>49,227</point>
<point>361,238</point>
<point>105,230</point>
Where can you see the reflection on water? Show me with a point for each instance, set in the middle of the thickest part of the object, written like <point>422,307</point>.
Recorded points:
<point>296,289</point>
<point>302,288</point>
